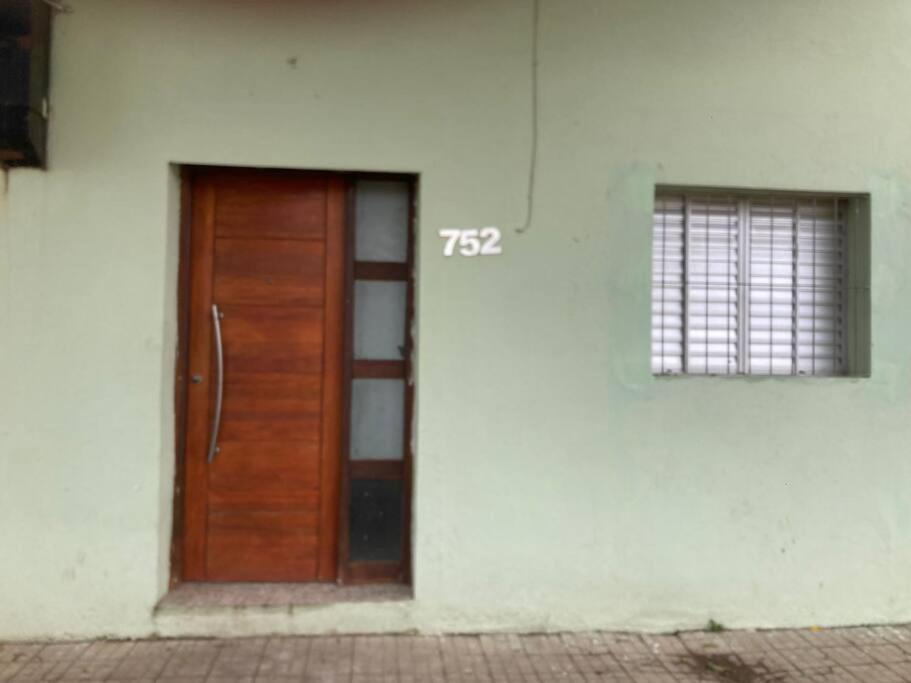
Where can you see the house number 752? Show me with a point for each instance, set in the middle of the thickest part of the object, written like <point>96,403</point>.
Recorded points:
<point>471,241</point>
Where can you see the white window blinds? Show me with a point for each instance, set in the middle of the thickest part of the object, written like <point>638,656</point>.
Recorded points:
<point>748,285</point>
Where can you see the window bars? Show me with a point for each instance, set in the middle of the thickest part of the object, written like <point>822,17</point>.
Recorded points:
<point>748,284</point>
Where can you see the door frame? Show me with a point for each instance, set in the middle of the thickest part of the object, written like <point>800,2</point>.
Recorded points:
<point>347,572</point>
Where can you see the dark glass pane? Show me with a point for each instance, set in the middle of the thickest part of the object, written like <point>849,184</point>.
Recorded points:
<point>375,532</point>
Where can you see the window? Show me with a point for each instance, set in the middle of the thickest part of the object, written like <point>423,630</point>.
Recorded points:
<point>379,392</point>
<point>759,284</point>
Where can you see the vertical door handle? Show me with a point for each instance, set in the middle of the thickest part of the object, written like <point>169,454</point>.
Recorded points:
<point>219,384</point>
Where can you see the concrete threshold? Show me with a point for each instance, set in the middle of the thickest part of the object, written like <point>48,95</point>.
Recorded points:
<point>258,609</point>
<point>212,596</point>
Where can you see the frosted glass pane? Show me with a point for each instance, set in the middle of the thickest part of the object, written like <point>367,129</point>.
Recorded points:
<point>379,320</point>
<point>377,419</point>
<point>381,221</point>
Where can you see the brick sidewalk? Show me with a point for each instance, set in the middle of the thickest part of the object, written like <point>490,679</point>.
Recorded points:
<point>865,655</point>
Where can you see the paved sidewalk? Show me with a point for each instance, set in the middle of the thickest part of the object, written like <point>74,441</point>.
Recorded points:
<point>865,655</point>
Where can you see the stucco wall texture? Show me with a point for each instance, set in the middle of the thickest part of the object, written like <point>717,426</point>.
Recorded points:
<point>558,484</point>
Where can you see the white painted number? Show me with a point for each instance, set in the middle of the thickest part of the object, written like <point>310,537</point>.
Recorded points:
<point>471,241</point>
<point>491,246</point>
<point>451,236</point>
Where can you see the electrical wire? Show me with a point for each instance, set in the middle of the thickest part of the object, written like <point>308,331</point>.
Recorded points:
<point>533,156</point>
<point>60,7</point>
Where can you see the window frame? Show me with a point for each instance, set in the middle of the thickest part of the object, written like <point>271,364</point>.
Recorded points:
<point>362,571</point>
<point>855,289</point>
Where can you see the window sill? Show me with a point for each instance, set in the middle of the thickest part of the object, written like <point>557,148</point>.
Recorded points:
<point>794,379</point>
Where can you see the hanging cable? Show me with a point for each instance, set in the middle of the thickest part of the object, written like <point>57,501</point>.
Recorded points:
<point>533,156</point>
<point>59,6</point>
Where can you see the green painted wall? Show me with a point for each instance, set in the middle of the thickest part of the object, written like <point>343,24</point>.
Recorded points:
<point>558,484</point>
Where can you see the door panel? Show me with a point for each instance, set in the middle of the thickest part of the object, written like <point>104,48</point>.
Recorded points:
<point>273,339</point>
<point>269,272</point>
<point>293,467</point>
<point>271,205</point>
<point>271,406</point>
<point>268,250</point>
<point>261,544</point>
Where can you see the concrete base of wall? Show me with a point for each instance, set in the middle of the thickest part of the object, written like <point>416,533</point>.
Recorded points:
<point>314,619</point>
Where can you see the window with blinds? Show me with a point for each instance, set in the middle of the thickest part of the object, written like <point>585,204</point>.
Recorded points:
<point>749,284</point>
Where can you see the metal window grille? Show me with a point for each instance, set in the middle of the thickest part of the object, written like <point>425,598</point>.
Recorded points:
<point>748,285</point>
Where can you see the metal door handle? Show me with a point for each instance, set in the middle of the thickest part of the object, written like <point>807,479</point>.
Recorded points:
<point>219,384</point>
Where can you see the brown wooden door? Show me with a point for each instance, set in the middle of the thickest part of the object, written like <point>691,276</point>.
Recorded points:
<point>267,248</point>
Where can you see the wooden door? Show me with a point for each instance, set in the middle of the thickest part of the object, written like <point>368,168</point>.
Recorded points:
<point>267,255</point>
